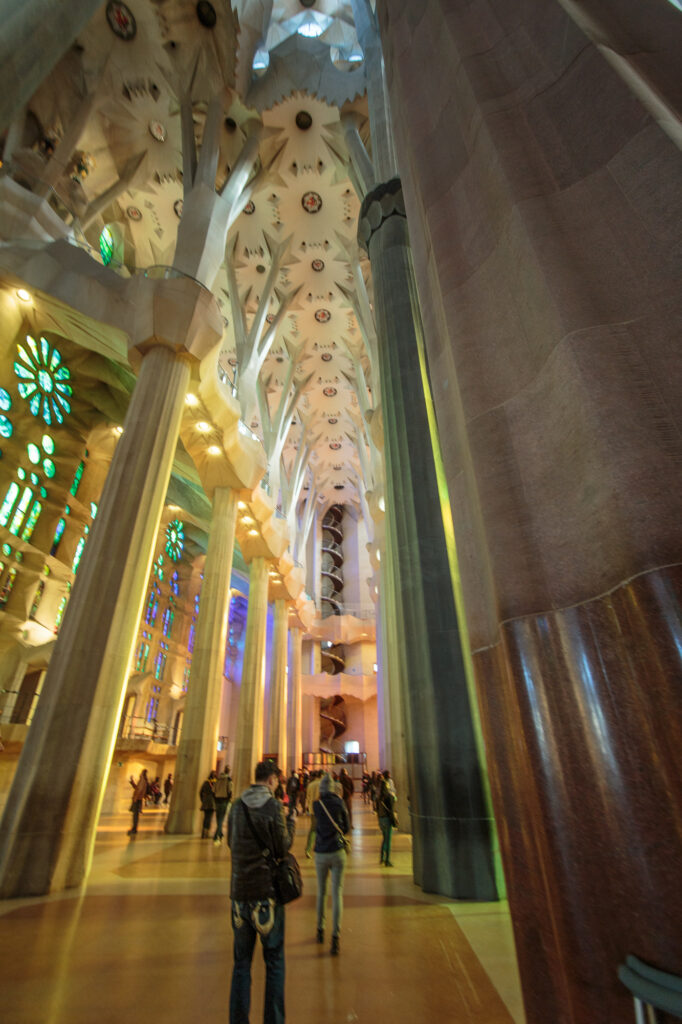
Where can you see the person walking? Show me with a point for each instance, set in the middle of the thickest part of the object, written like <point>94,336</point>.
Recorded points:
<point>332,824</point>
<point>293,784</point>
<point>347,789</point>
<point>223,795</point>
<point>139,795</point>
<point>167,788</point>
<point>207,797</point>
<point>255,910</point>
<point>386,799</point>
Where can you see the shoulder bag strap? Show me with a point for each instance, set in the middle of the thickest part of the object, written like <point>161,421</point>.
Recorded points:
<point>266,851</point>
<point>330,818</point>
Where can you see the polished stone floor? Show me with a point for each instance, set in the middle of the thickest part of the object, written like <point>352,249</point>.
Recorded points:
<point>149,939</point>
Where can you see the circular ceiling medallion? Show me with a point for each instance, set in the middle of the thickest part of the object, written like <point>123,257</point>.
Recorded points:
<point>134,213</point>
<point>335,445</point>
<point>326,357</point>
<point>323,316</point>
<point>121,20</point>
<point>177,208</point>
<point>317,265</point>
<point>270,318</point>
<point>158,131</point>
<point>250,207</point>
<point>329,393</point>
<point>206,14</point>
<point>311,202</point>
<point>260,269</point>
<point>303,120</point>
<point>332,420</point>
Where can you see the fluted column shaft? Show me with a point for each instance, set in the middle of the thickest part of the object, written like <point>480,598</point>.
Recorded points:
<point>276,725</point>
<point>198,742</point>
<point>451,821</point>
<point>249,739</point>
<point>48,828</point>
<point>294,700</point>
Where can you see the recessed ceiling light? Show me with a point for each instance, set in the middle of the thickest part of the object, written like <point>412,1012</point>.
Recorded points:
<point>203,426</point>
<point>24,295</point>
<point>118,430</point>
<point>214,450</point>
<point>253,533</point>
<point>191,399</point>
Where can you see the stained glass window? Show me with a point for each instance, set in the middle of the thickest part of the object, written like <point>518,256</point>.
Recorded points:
<point>62,608</point>
<point>175,540</point>
<point>48,444</point>
<point>31,521</point>
<point>40,590</point>
<point>142,652</point>
<point>106,246</point>
<point>185,677</point>
<point>79,550</point>
<point>5,400</point>
<point>61,526</point>
<point>167,621</point>
<point>20,510</point>
<point>153,605</point>
<point>192,634</point>
<point>174,584</point>
<point>77,478</point>
<point>7,585</point>
<point>8,503</point>
<point>5,426</point>
<point>160,661</point>
<point>43,380</point>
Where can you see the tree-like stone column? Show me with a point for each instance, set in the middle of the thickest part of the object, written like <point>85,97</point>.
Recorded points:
<point>197,749</point>
<point>294,700</point>
<point>48,829</point>
<point>452,824</point>
<point>249,739</point>
<point>276,725</point>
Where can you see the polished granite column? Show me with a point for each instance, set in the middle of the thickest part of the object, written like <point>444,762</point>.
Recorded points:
<point>249,739</point>
<point>544,210</point>
<point>198,741</point>
<point>294,700</point>
<point>450,817</point>
<point>276,725</point>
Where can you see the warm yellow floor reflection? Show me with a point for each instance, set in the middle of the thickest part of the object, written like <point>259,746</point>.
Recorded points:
<point>150,940</point>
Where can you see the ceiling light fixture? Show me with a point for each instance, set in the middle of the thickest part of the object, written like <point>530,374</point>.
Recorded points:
<point>24,295</point>
<point>191,399</point>
<point>203,426</point>
<point>214,450</point>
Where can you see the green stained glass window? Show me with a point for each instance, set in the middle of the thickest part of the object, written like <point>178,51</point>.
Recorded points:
<point>6,427</point>
<point>77,478</point>
<point>34,453</point>
<point>5,400</point>
<point>175,540</point>
<point>20,511</point>
<point>167,622</point>
<point>48,444</point>
<point>6,589</point>
<point>43,381</point>
<point>34,479</point>
<point>21,473</point>
<point>49,467</point>
<point>31,521</point>
<point>6,550</point>
<point>60,612</point>
<point>7,506</point>
<point>43,492</point>
<point>61,525</point>
<point>93,509</point>
<point>106,246</point>
<point>77,556</point>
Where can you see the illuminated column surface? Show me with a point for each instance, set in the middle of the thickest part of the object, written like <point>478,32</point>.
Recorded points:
<point>294,702</point>
<point>276,725</point>
<point>197,750</point>
<point>48,829</point>
<point>249,738</point>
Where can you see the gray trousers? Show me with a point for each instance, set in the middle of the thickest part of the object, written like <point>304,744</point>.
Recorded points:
<point>336,864</point>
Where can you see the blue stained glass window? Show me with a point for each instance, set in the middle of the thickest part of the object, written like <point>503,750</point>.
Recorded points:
<point>61,525</point>
<point>5,400</point>
<point>160,661</point>
<point>174,584</point>
<point>167,621</point>
<point>6,427</point>
<point>153,605</point>
<point>192,635</point>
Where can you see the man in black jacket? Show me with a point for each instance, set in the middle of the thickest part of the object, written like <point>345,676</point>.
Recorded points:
<point>255,910</point>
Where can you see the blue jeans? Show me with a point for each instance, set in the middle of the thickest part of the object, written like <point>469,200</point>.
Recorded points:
<point>273,955</point>
<point>336,863</point>
<point>386,828</point>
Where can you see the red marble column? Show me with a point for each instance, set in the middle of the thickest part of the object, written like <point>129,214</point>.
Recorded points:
<point>543,203</point>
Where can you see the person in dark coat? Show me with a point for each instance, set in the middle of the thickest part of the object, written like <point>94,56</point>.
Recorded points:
<point>331,823</point>
<point>207,797</point>
<point>255,910</point>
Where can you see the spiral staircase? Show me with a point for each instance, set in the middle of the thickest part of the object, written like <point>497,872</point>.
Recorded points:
<point>333,657</point>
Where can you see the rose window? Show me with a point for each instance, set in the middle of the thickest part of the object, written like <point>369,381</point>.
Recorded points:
<point>175,540</point>
<point>43,380</point>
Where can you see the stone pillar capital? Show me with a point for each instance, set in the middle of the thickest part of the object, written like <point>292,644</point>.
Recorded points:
<point>177,313</point>
<point>384,201</point>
